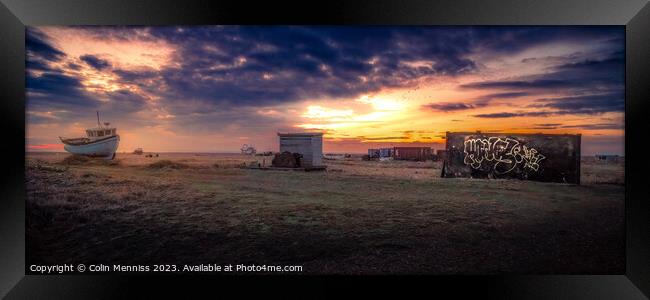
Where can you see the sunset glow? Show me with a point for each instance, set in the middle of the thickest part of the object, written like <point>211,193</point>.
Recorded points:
<point>211,89</point>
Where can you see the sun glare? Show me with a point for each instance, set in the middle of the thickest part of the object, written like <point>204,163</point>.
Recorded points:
<point>319,112</point>
<point>382,104</point>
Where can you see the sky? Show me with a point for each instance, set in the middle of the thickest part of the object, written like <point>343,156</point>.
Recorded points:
<point>215,88</point>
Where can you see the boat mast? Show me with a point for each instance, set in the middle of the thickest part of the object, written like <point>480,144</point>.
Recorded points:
<point>98,125</point>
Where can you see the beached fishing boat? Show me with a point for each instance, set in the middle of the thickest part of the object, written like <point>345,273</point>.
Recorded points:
<point>101,141</point>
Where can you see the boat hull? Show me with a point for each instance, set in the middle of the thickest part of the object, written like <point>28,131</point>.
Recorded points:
<point>104,148</point>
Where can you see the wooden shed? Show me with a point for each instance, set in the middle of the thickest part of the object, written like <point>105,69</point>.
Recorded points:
<point>307,144</point>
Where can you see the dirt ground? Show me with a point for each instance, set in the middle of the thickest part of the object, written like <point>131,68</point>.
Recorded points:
<point>357,217</point>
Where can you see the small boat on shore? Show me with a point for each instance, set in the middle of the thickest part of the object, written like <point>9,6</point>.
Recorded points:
<point>101,141</point>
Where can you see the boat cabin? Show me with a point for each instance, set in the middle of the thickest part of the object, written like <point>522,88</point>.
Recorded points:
<point>100,132</point>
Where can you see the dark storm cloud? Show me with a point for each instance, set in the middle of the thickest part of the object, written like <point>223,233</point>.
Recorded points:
<point>587,104</point>
<point>249,66</point>
<point>606,74</point>
<point>554,59</point>
<point>54,83</point>
<point>50,80</point>
<point>383,138</point>
<point>261,66</point>
<point>449,106</point>
<point>37,65</point>
<point>95,62</point>
<point>151,83</point>
<point>595,86</point>
<point>521,84</point>
<point>612,63</point>
<point>512,115</point>
<point>507,40</point>
<point>547,126</point>
<point>489,98</point>
<point>226,119</point>
<point>476,103</point>
<point>125,101</point>
<point>74,66</point>
<point>597,126</point>
<point>50,88</point>
<point>586,75</point>
<point>575,105</point>
<point>53,89</point>
<point>498,115</point>
<point>38,46</point>
<point>505,95</point>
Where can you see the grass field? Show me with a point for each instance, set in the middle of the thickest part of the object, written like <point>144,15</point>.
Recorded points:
<point>357,217</point>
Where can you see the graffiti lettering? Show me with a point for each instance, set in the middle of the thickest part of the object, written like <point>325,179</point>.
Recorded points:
<point>504,155</point>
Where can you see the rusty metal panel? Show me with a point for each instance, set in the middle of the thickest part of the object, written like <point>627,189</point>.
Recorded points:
<point>540,157</point>
<point>412,153</point>
<point>442,154</point>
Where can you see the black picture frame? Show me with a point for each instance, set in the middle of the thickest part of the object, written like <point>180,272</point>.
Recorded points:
<point>16,14</point>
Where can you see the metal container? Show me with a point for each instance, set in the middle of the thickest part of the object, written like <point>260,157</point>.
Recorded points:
<point>386,152</point>
<point>540,157</point>
<point>374,153</point>
<point>412,153</point>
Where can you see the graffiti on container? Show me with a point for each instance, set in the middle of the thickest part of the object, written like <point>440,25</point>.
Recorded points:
<point>505,154</point>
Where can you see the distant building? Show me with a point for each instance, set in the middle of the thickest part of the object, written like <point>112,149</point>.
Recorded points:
<point>441,155</point>
<point>381,152</point>
<point>373,153</point>
<point>607,157</point>
<point>248,149</point>
<point>386,152</point>
<point>412,153</point>
<point>309,145</point>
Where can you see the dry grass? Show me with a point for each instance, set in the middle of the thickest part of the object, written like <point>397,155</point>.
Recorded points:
<point>597,172</point>
<point>356,217</point>
<point>166,164</point>
<point>80,160</point>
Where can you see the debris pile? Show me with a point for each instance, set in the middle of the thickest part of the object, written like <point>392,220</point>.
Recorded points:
<point>287,160</point>
<point>248,149</point>
<point>265,153</point>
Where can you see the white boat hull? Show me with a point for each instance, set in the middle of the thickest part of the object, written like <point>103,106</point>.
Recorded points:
<point>105,148</point>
